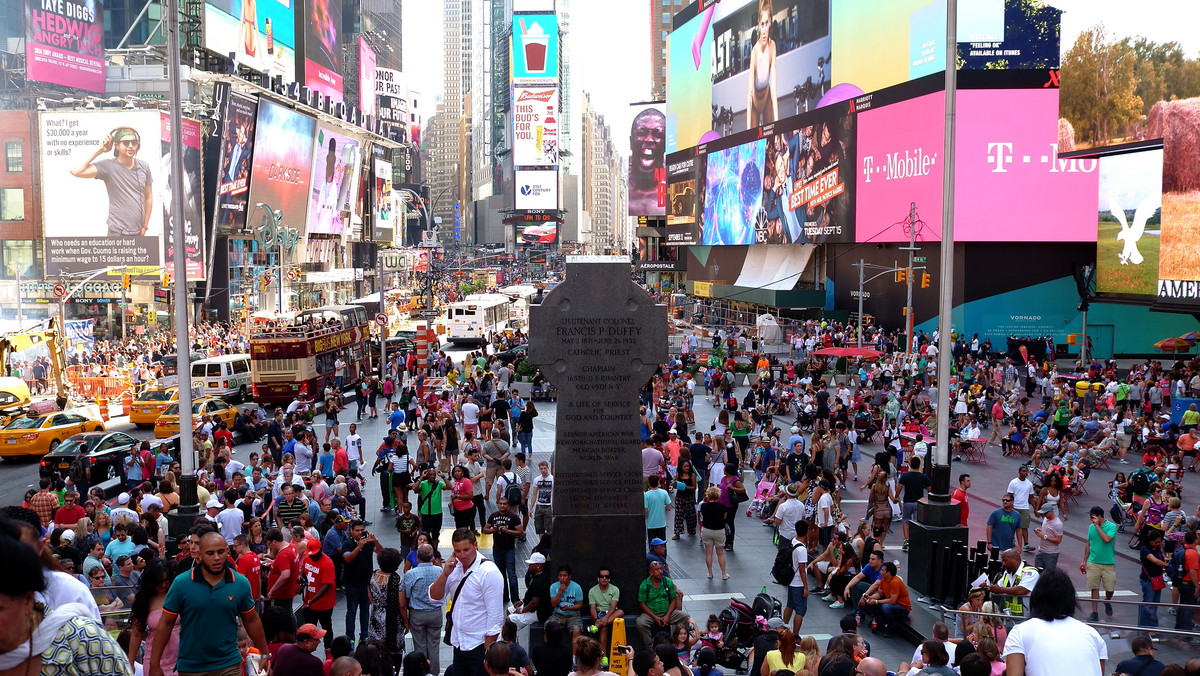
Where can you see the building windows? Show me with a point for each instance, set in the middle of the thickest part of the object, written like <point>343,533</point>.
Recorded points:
<point>12,204</point>
<point>14,157</point>
<point>666,18</point>
<point>22,254</point>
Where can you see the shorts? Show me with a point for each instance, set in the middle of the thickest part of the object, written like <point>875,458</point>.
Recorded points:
<point>1024,518</point>
<point>797,601</point>
<point>1101,576</point>
<point>331,422</point>
<point>710,537</point>
<point>908,511</point>
<point>573,622</point>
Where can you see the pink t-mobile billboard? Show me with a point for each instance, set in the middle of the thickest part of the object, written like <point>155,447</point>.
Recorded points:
<point>1010,184</point>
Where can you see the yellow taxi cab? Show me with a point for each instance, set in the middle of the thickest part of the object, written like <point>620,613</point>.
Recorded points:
<point>151,404</point>
<point>39,434</point>
<point>167,424</point>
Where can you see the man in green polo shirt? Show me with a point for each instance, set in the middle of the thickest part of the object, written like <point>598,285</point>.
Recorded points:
<point>209,598</point>
<point>660,602</point>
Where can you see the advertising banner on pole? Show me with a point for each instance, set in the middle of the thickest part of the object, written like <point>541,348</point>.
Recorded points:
<point>236,127</point>
<point>100,173</point>
<point>193,200</point>
<point>64,43</point>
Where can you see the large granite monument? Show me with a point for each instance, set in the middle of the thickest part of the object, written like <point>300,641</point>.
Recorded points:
<point>598,337</point>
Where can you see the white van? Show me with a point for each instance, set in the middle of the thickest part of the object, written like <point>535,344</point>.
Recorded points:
<point>224,377</point>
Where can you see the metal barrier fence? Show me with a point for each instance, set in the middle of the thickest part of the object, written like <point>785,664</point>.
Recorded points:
<point>1099,626</point>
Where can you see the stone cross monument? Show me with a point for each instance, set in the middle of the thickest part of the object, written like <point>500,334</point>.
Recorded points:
<point>598,337</point>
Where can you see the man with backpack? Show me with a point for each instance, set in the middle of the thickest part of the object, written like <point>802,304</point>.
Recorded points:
<point>1184,571</point>
<point>790,569</point>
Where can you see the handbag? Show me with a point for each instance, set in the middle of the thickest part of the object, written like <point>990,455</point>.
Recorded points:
<point>1157,582</point>
<point>450,613</point>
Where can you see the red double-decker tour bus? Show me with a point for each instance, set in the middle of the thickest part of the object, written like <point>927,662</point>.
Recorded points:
<point>297,359</point>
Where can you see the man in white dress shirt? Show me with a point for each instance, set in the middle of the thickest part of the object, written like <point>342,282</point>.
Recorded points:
<point>478,611</point>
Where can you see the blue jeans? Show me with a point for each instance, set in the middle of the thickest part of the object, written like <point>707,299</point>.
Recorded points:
<point>889,614</point>
<point>1148,615</point>
<point>525,440</point>
<point>356,601</point>
<point>507,562</point>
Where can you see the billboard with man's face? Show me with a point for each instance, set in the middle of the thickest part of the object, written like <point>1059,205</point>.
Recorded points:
<point>237,124</point>
<point>647,152</point>
<point>100,171</point>
<point>193,200</point>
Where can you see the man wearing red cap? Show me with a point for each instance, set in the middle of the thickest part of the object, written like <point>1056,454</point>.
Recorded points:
<point>297,659</point>
<point>319,595</point>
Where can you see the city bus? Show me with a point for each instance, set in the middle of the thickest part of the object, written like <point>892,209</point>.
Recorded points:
<point>297,360</point>
<point>472,319</point>
<point>522,296</point>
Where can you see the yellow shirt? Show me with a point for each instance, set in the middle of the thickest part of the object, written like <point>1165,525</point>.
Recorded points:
<point>775,662</point>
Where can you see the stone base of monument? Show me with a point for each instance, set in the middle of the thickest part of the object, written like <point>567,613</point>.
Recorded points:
<point>618,542</point>
<point>933,538</point>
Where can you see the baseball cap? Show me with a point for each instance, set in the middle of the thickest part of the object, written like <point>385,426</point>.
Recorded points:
<point>536,557</point>
<point>1047,508</point>
<point>795,430</point>
<point>774,623</point>
<point>312,546</point>
<point>337,518</point>
<point>151,501</point>
<point>211,504</point>
<point>68,535</point>
<point>310,631</point>
<point>123,499</point>
<point>657,541</point>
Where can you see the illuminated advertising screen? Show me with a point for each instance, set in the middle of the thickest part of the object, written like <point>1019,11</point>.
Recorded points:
<point>335,164</point>
<point>64,43</point>
<point>536,189</point>
<point>794,186</point>
<point>535,47</point>
<point>194,247</point>
<point>391,95</point>
<point>323,47</point>
<point>366,77</point>
<point>261,34</point>
<point>907,40</point>
<point>1008,35</point>
<point>683,198</point>
<point>999,156</point>
<point>647,157</point>
<point>741,64</point>
<point>535,125</point>
<point>1130,224</point>
<point>100,176</point>
<point>280,175</point>
<point>900,163</point>
<point>382,201</point>
<point>237,125</point>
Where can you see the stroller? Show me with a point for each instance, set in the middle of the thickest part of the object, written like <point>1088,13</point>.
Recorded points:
<point>740,625</point>
<point>762,493</point>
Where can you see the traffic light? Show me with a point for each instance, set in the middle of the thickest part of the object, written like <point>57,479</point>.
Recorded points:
<point>166,279</point>
<point>126,280</point>
<point>902,275</point>
<point>924,280</point>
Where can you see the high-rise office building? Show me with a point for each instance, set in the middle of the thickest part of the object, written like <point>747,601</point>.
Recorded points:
<point>661,13</point>
<point>600,188</point>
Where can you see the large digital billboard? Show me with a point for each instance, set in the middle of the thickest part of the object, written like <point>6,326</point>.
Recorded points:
<point>335,165</point>
<point>686,174</point>
<point>391,95</point>
<point>741,64</point>
<point>535,125</point>
<point>1000,157</point>
<point>260,34</point>
<point>382,201</point>
<point>239,116</point>
<point>280,175</point>
<point>794,186</point>
<point>1130,222</point>
<point>647,161</point>
<point>367,63</point>
<point>100,174</point>
<point>323,47</point>
<point>536,189</point>
<point>535,47</point>
<point>193,198</point>
<point>64,43</point>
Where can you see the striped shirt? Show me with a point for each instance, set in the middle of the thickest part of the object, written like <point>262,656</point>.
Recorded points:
<point>287,511</point>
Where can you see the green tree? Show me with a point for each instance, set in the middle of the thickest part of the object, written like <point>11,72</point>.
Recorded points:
<point>1099,86</point>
